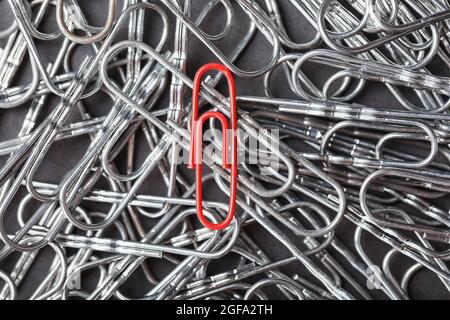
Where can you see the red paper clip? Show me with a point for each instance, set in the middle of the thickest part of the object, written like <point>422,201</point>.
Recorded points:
<point>195,161</point>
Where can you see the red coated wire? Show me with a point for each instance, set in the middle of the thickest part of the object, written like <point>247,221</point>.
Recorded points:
<point>197,144</point>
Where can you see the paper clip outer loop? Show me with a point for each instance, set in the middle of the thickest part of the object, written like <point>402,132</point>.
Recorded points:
<point>195,161</point>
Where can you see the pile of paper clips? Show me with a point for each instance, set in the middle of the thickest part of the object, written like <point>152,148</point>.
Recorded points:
<point>338,180</point>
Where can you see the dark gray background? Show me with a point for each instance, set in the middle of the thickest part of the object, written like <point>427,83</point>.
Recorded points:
<point>64,155</point>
